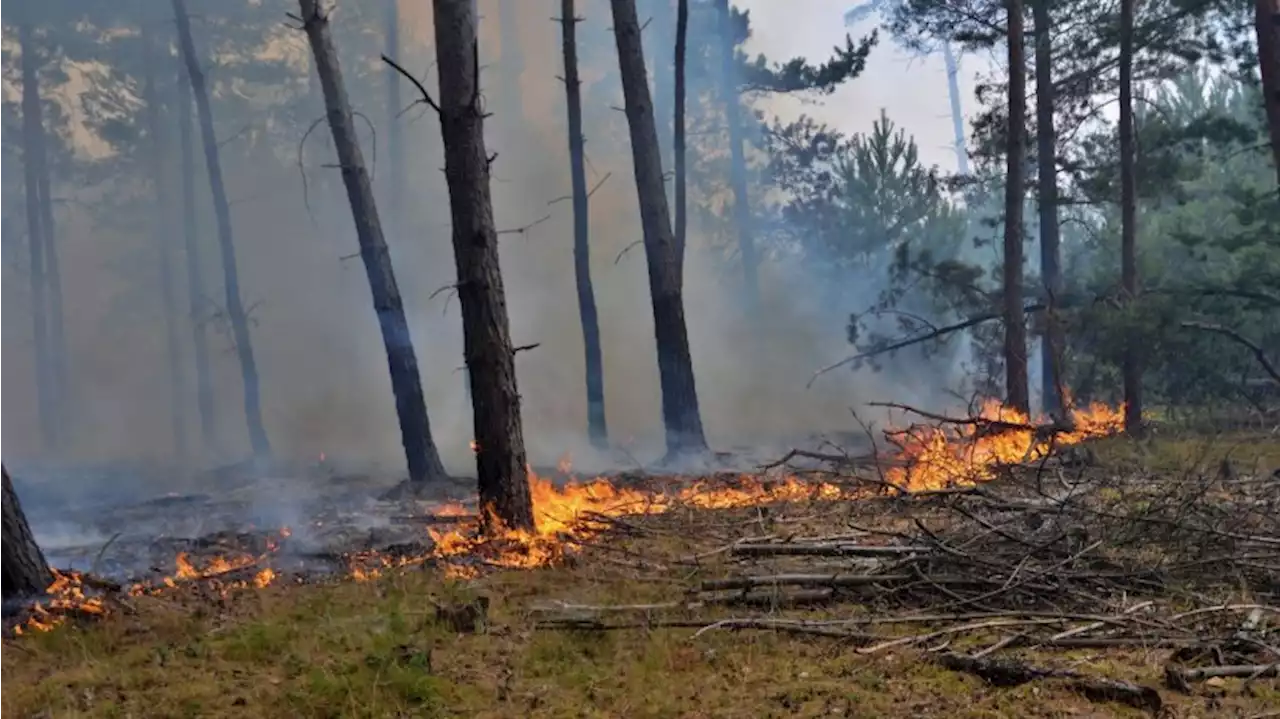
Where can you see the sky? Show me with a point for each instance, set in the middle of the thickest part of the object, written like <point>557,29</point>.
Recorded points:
<point>912,90</point>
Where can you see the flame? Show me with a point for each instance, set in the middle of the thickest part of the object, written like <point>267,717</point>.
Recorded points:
<point>929,458</point>
<point>935,458</point>
<point>475,446</point>
<point>565,517</point>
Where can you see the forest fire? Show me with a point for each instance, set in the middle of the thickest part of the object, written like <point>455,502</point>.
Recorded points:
<point>948,454</point>
<point>928,458</point>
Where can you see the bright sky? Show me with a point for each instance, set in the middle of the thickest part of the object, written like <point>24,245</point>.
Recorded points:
<point>913,91</point>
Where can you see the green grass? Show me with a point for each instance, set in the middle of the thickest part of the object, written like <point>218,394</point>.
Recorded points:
<point>377,649</point>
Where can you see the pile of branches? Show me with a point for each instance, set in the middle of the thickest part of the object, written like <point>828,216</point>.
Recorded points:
<point>1048,556</point>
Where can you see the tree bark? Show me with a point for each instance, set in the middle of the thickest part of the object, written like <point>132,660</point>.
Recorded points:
<point>659,35</point>
<point>737,161</point>
<point>1052,346</point>
<point>1266,23</point>
<point>163,231</point>
<point>1132,368</point>
<point>411,408</point>
<point>195,272</point>
<point>398,179</point>
<point>597,427</point>
<point>31,129</point>
<point>682,175</point>
<point>490,357</point>
<point>1015,328</point>
<point>25,571</point>
<point>222,214</point>
<point>680,414</point>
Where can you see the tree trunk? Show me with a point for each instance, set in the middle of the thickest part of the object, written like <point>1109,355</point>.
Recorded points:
<point>490,357</point>
<point>737,161</point>
<point>53,274</point>
<point>512,65</point>
<point>222,214</point>
<point>411,409</point>
<point>957,117</point>
<point>195,273</point>
<point>1266,23</point>
<point>1015,328</point>
<point>24,568</point>
<point>163,230</point>
<point>398,179</point>
<point>1132,368</point>
<point>597,427</point>
<point>31,129</point>
<point>680,414</point>
<point>682,175</point>
<point>1052,346</point>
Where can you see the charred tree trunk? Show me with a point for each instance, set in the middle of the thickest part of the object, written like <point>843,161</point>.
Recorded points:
<point>737,161</point>
<point>164,236</point>
<point>682,175</point>
<point>24,568</point>
<point>512,64</point>
<point>395,138</point>
<point>195,272</point>
<point>31,129</point>
<point>680,414</point>
<point>222,214</point>
<point>1132,368</point>
<point>1266,23</point>
<point>500,454</point>
<point>411,408</point>
<point>1015,328</point>
<point>1052,346</point>
<point>597,427</point>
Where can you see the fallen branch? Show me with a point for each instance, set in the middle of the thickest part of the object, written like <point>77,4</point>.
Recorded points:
<point>823,550</point>
<point>801,580</point>
<point>1180,679</point>
<point>1008,673</point>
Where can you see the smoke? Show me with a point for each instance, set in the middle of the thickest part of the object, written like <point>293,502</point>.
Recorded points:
<point>324,379</point>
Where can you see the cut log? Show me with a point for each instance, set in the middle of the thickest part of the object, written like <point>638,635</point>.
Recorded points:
<point>23,571</point>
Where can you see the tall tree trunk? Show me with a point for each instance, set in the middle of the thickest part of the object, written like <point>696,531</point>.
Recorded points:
<point>222,214</point>
<point>737,161</point>
<point>1051,346</point>
<point>195,272</point>
<point>1132,367</point>
<point>163,230</point>
<point>682,175</point>
<point>1017,394</point>
<point>597,427</point>
<point>512,64</point>
<point>25,571</point>
<point>31,129</point>
<point>395,137</point>
<point>490,357</point>
<point>680,414</point>
<point>957,117</point>
<point>411,408</point>
<point>1266,23</point>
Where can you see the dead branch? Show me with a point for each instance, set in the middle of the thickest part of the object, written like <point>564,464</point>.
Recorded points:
<point>1257,350</point>
<point>823,550</point>
<point>1179,679</point>
<point>422,90</point>
<point>801,580</point>
<point>1008,672</point>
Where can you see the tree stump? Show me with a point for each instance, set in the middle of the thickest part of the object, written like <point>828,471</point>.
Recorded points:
<point>23,571</point>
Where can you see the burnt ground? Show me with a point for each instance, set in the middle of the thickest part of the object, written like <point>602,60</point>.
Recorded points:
<point>1143,580</point>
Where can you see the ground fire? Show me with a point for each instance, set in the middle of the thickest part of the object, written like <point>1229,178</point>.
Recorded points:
<point>925,458</point>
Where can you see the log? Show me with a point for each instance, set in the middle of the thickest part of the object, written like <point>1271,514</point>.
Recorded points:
<point>25,571</point>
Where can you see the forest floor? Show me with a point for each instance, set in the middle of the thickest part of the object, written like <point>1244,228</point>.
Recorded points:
<point>628,627</point>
